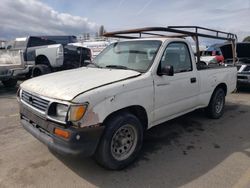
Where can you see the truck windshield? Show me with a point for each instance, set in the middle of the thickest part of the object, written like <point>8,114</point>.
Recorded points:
<point>135,55</point>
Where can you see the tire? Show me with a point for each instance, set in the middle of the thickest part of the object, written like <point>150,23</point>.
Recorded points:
<point>39,70</point>
<point>121,141</point>
<point>10,83</point>
<point>29,74</point>
<point>216,105</point>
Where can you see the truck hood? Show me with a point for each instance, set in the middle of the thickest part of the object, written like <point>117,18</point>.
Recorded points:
<point>243,50</point>
<point>66,85</point>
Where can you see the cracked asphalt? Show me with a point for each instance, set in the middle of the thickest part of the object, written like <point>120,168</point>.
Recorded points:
<point>190,151</point>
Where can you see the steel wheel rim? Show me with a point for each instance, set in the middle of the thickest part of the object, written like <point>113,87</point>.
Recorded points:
<point>124,142</point>
<point>219,103</point>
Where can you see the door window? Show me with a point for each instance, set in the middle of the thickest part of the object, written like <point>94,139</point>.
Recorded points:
<point>177,54</point>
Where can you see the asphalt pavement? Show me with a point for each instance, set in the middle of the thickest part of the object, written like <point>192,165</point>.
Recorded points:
<point>190,151</point>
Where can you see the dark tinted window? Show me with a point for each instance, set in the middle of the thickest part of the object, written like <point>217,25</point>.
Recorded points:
<point>61,39</point>
<point>37,41</point>
<point>48,40</point>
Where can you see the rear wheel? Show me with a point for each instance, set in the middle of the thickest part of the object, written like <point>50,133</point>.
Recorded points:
<point>10,82</point>
<point>121,142</point>
<point>39,70</point>
<point>216,105</point>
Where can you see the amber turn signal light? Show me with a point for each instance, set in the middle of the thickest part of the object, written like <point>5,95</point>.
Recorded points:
<point>77,112</point>
<point>61,133</point>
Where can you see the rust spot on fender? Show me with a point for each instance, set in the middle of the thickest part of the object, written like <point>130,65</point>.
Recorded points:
<point>91,118</point>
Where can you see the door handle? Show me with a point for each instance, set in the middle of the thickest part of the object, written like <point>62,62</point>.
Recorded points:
<point>163,84</point>
<point>192,80</point>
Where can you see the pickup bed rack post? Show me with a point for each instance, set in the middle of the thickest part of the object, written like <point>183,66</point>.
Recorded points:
<point>182,31</point>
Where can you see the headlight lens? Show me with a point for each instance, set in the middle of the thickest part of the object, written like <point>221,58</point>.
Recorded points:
<point>61,110</point>
<point>77,112</point>
<point>58,112</point>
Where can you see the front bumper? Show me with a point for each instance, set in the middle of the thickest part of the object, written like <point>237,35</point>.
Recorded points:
<point>243,79</point>
<point>23,71</point>
<point>82,141</point>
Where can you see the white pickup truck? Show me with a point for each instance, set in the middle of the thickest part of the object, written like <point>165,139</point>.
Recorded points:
<point>104,109</point>
<point>37,55</point>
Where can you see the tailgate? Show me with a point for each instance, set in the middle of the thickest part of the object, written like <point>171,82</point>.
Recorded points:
<point>11,59</point>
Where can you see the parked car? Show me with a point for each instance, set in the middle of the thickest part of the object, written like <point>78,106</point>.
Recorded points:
<point>42,55</point>
<point>212,55</point>
<point>136,84</point>
<point>243,64</point>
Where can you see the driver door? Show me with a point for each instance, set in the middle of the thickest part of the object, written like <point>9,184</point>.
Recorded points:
<point>175,94</point>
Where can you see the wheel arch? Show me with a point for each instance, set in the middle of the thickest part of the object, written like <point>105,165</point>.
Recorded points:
<point>222,86</point>
<point>42,59</point>
<point>136,110</point>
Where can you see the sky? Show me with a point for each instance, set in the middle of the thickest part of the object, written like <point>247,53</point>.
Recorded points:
<point>57,17</point>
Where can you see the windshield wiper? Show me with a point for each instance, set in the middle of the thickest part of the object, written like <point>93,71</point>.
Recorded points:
<point>120,67</point>
<point>117,67</point>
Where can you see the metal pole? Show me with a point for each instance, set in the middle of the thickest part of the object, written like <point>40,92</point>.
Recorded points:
<point>197,45</point>
<point>234,46</point>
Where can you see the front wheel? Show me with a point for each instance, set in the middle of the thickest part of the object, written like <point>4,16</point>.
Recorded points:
<point>216,105</point>
<point>121,142</point>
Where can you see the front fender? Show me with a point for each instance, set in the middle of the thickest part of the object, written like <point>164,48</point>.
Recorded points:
<point>103,102</point>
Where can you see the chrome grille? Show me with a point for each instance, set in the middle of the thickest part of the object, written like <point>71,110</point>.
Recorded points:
<point>35,101</point>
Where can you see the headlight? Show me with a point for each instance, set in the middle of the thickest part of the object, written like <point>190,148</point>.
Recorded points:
<point>76,112</point>
<point>58,112</point>
<point>61,110</point>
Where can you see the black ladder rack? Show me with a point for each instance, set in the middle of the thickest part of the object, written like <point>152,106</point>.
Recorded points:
<point>173,29</point>
<point>179,32</point>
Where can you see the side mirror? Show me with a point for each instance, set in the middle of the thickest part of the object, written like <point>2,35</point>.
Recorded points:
<point>87,62</point>
<point>167,70</point>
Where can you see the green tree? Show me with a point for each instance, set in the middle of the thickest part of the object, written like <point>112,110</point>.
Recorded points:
<point>246,39</point>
